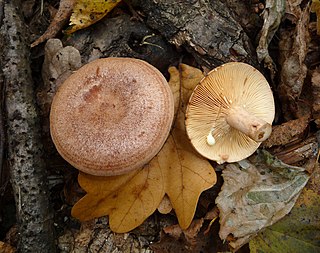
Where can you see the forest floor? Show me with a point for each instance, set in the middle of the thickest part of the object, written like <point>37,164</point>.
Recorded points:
<point>280,38</point>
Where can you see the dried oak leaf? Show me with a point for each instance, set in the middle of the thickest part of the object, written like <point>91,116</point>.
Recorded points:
<point>256,193</point>
<point>293,51</point>
<point>177,171</point>
<point>175,87</point>
<point>315,7</point>
<point>190,234</point>
<point>315,82</point>
<point>6,248</point>
<point>193,239</point>
<point>299,231</point>
<point>128,199</point>
<point>87,12</point>
<point>293,10</point>
<point>272,15</point>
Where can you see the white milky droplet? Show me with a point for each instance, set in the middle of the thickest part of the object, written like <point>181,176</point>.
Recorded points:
<point>210,139</point>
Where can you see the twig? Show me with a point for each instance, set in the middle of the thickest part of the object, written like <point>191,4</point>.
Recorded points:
<point>24,151</point>
<point>59,20</point>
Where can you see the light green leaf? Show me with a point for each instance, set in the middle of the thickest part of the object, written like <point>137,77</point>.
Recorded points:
<point>299,231</point>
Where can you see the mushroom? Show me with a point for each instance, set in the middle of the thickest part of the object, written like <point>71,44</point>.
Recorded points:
<point>112,116</point>
<point>230,113</point>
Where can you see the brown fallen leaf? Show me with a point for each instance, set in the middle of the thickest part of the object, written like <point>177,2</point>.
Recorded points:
<point>193,239</point>
<point>59,20</point>
<point>186,175</point>
<point>190,234</point>
<point>212,214</point>
<point>177,171</point>
<point>293,50</point>
<point>272,15</point>
<point>315,7</point>
<point>256,193</point>
<point>6,248</point>
<point>175,87</point>
<point>315,82</point>
<point>189,77</point>
<point>127,199</point>
<point>293,10</point>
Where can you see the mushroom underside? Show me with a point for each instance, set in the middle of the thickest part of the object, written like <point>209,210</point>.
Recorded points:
<point>230,113</point>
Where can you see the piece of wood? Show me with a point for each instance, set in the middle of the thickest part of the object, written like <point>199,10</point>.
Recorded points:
<point>24,148</point>
<point>206,29</point>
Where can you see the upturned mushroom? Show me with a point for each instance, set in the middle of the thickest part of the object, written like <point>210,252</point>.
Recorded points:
<point>112,116</point>
<point>230,113</point>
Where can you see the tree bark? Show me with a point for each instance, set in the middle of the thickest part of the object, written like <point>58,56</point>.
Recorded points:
<point>205,28</point>
<point>24,153</point>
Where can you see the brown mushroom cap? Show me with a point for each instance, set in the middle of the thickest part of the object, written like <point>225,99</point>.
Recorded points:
<point>230,112</point>
<point>112,116</point>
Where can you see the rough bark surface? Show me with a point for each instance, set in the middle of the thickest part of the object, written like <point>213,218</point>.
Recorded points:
<point>2,133</point>
<point>27,167</point>
<point>124,37</point>
<point>205,28</point>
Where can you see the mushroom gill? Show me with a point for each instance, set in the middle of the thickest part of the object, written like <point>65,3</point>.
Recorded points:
<point>230,112</point>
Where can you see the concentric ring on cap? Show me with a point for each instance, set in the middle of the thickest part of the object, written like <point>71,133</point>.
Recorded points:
<point>112,116</point>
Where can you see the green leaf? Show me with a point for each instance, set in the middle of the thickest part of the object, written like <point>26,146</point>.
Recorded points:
<point>256,193</point>
<point>297,232</point>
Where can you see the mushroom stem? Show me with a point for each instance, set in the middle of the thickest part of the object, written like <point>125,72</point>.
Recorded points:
<point>257,129</point>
